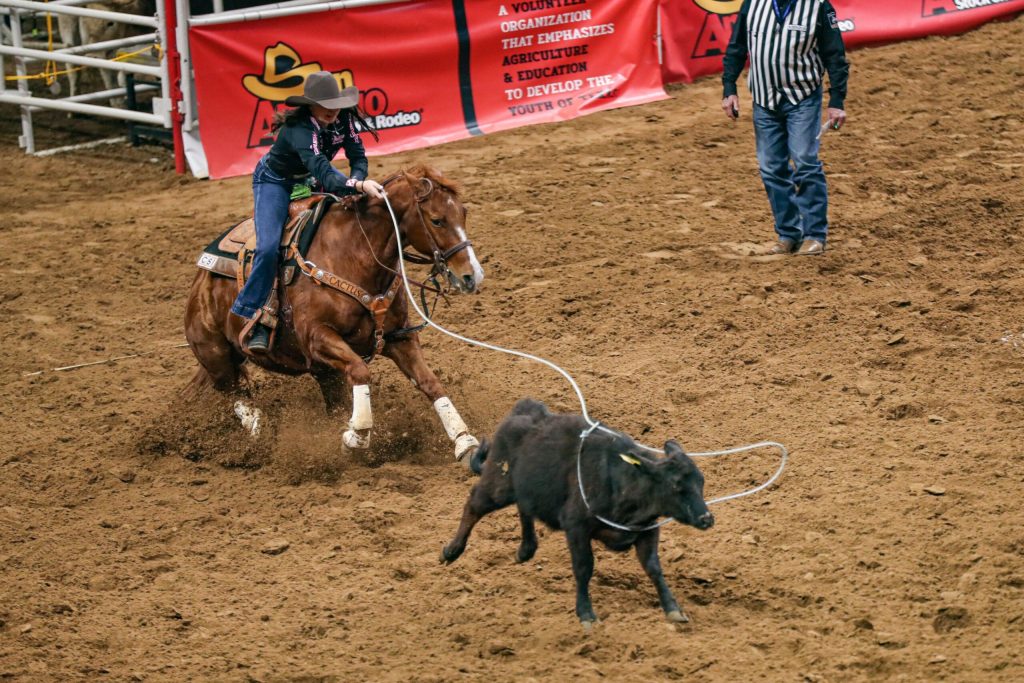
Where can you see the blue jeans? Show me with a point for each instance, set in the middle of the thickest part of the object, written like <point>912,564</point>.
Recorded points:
<point>797,194</point>
<point>272,194</point>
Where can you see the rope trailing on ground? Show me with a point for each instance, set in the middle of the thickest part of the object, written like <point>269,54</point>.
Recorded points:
<point>106,361</point>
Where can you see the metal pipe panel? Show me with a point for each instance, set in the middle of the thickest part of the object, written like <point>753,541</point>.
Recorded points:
<point>96,110</point>
<point>104,94</point>
<point>84,61</point>
<point>51,8</point>
<point>99,47</point>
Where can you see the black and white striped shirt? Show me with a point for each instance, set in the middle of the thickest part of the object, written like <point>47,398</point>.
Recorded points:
<point>790,44</point>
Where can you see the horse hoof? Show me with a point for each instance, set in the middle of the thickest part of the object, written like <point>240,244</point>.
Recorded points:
<point>252,418</point>
<point>356,439</point>
<point>677,617</point>
<point>465,446</point>
<point>587,624</point>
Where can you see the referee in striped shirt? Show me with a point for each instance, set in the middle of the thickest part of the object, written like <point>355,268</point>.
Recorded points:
<point>790,44</point>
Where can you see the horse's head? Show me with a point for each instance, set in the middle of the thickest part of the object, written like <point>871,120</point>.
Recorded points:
<point>434,223</point>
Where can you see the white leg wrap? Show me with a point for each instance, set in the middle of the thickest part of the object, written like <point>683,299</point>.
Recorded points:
<point>252,418</point>
<point>455,428</point>
<point>358,433</point>
<point>362,414</point>
<point>450,418</point>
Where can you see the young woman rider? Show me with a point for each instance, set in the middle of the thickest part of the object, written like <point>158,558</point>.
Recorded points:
<point>308,138</point>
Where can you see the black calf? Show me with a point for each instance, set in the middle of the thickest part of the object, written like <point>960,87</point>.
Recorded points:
<point>532,462</point>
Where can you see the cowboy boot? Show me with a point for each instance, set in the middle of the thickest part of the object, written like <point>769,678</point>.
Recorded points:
<point>259,340</point>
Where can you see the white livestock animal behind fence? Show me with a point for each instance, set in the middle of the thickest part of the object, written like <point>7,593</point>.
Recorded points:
<point>75,31</point>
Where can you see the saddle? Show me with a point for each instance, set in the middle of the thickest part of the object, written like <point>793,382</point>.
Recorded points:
<point>231,253</point>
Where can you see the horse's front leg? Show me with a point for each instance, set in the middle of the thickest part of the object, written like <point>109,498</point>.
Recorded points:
<point>326,347</point>
<point>408,356</point>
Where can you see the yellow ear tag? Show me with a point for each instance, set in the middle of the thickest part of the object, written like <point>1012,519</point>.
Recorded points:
<point>630,459</point>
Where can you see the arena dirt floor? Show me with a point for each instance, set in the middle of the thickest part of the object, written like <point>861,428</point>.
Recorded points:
<point>138,530</point>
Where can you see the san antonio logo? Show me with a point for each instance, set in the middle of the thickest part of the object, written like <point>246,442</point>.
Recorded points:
<point>284,75</point>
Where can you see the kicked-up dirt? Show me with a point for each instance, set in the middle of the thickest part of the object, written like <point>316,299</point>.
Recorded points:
<point>142,538</point>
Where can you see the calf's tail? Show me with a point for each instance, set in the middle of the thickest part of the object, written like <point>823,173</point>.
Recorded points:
<point>476,463</point>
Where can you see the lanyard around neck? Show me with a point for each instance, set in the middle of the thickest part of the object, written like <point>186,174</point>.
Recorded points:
<point>779,13</point>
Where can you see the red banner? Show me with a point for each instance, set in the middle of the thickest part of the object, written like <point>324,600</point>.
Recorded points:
<point>452,69</point>
<point>696,32</point>
<point>541,61</point>
<point>244,72</point>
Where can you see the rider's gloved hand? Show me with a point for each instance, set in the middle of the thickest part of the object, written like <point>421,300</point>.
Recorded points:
<point>371,187</point>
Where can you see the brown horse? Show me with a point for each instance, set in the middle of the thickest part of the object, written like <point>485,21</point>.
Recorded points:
<point>324,328</point>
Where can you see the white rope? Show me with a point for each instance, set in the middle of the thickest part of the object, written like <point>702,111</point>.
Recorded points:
<point>583,403</point>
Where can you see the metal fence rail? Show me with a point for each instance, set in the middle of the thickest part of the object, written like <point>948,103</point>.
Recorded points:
<point>78,56</point>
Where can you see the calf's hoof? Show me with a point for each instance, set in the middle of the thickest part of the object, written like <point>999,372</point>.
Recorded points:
<point>356,438</point>
<point>450,554</point>
<point>465,447</point>
<point>677,617</point>
<point>525,554</point>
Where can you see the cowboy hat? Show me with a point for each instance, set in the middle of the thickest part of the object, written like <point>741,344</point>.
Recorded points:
<point>322,88</point>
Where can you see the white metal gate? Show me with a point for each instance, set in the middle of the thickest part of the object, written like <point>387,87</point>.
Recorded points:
<point>72,56</point>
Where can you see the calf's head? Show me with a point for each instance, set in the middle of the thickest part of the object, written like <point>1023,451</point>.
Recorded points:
<point>679,487</point>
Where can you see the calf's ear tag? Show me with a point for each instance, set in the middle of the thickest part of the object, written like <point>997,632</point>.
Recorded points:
<point>630,459</point>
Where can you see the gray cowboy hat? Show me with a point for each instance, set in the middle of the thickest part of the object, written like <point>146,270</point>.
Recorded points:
<point>322,88</point>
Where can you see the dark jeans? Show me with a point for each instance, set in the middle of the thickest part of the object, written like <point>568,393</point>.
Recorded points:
<point>797,194</point>
<point>271,193</point>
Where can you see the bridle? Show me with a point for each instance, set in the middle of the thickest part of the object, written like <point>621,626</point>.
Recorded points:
<point>439,257</point>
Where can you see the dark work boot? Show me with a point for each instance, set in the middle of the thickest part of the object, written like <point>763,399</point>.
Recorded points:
<point>259,341</point>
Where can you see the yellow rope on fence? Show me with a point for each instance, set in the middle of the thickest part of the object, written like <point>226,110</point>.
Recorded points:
<point>51,75</point>
<point>50,68</point>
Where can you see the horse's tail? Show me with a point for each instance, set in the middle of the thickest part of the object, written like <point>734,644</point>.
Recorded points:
<point>476,463</point>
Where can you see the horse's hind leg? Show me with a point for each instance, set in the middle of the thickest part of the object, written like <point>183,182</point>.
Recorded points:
<point>220,367</point>
<point>219,362</point>
<point>408,356</point>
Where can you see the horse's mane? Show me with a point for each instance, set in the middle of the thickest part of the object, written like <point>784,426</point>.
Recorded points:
<point>433,175</point>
